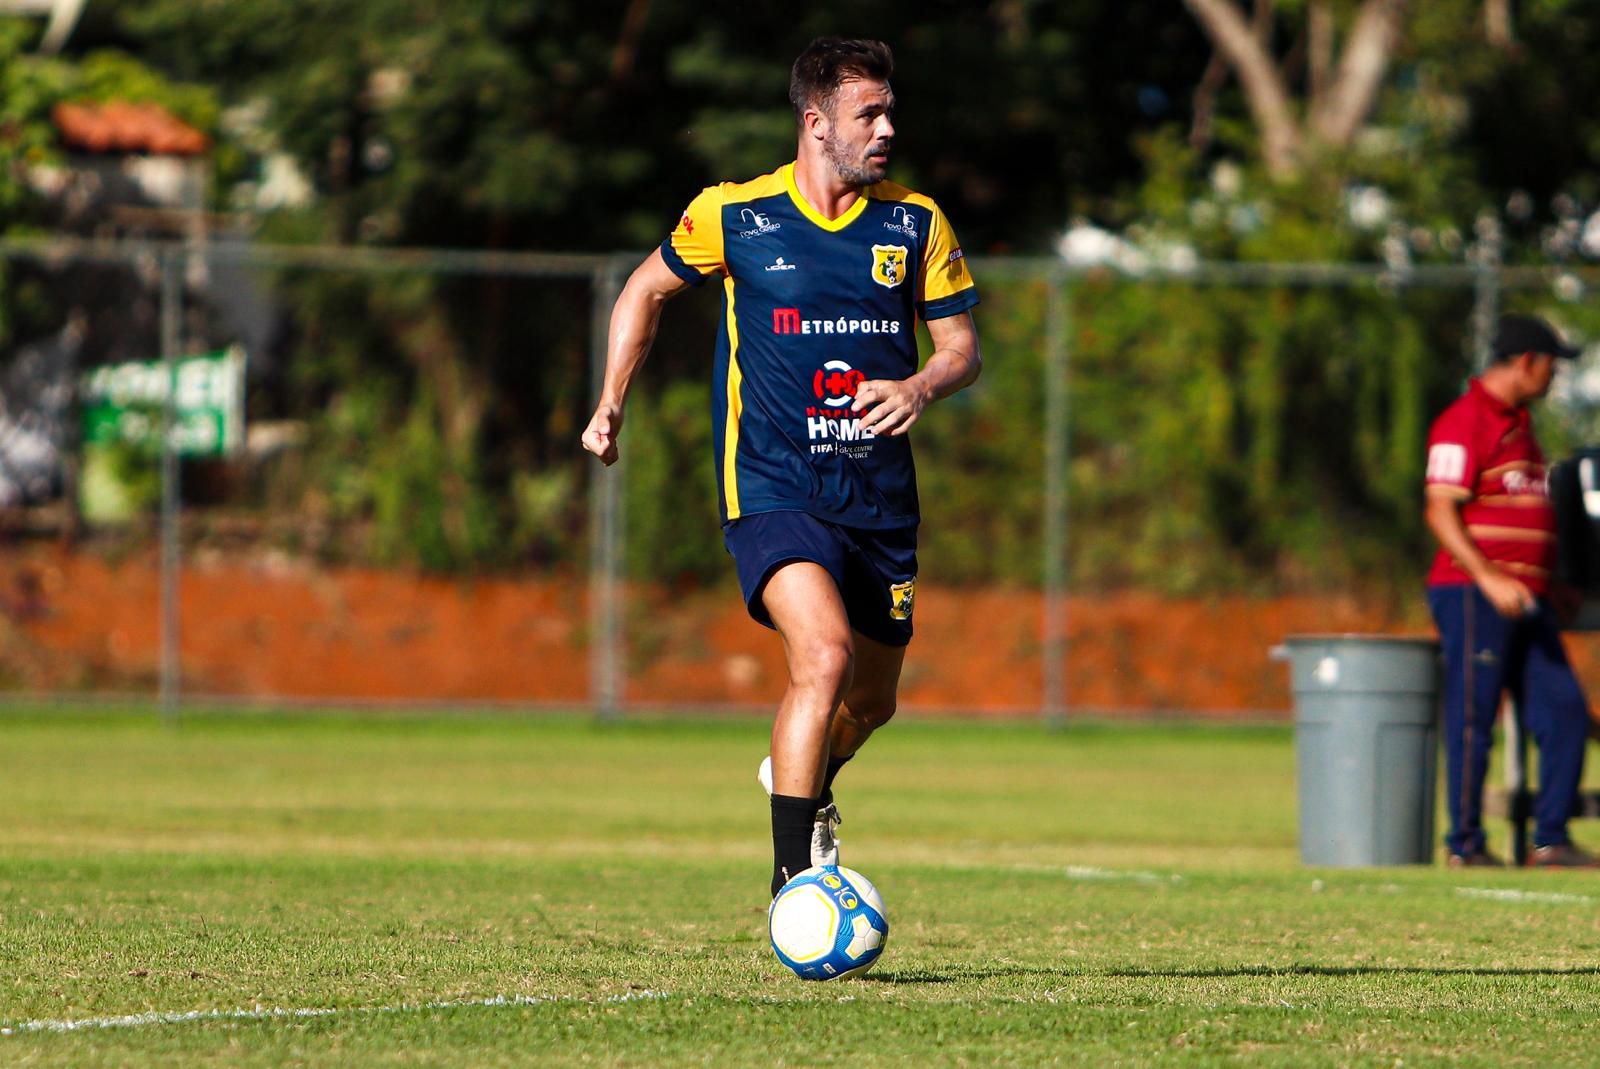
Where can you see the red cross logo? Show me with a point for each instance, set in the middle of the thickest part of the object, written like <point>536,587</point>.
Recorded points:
<point>835,382</point>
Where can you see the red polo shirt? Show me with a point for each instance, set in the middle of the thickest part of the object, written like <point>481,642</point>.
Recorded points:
<point>1484,452</point>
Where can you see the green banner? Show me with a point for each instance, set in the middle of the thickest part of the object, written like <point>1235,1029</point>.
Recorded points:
<point>124,402</point>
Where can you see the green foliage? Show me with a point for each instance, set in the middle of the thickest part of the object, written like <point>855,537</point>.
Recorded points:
<point>28,89</point>
<point>427,500</point>
<point>980,454</point>
<point>671,503</point>
<point>381,463</point>
<point>1223,436</point>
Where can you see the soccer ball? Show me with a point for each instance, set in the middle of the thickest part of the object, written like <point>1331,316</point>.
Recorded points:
<point>828,923</point>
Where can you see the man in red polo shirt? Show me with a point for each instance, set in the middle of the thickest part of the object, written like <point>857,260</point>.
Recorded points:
<point>1490,590</point>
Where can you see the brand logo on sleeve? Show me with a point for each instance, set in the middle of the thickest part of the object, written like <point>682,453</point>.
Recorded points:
<point>1447,463</point>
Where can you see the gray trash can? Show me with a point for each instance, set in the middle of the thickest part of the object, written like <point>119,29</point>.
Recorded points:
<point>1366,747</point>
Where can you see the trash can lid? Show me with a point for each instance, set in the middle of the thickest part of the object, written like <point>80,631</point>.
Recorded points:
<point>1347,639</point>
<point>1354,636</point>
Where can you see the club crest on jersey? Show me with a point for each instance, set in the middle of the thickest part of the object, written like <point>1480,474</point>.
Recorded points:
<point>902,596</point>
<point>889,265</point>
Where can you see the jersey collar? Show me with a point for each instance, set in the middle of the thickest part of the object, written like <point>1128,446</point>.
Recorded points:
<point>832,225</point>
<point>1493,403</point>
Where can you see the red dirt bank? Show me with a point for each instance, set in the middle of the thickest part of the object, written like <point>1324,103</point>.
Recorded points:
<point>272,627</point>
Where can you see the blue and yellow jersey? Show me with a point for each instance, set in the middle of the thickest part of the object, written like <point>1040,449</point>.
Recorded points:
<point>812,307</point>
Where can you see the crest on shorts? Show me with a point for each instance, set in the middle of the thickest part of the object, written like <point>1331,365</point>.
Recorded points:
<point>901,598</point>
<point>889,265</point>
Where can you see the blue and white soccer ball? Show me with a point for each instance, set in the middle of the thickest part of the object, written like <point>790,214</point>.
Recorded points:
<point>828,923</point>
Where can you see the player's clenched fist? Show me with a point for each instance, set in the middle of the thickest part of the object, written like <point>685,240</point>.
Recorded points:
<point>600,437</point>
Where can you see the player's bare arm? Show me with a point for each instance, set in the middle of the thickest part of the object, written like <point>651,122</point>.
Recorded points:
<point>1509,595</point>
<point>892,406</point>
<point>633,328</point>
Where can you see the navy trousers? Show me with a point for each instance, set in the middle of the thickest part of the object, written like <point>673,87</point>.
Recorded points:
<point>1486,654</point>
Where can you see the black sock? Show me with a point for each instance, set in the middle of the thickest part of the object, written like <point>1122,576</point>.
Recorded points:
<point>834,765</point>
<point>792,819</point>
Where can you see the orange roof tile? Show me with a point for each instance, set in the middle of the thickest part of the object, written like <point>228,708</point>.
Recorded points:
<point>119,126</point>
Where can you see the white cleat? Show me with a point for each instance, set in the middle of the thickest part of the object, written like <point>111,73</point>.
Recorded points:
<point>824,843</point>
<point>824,840</point>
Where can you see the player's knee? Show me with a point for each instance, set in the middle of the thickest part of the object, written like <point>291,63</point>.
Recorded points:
<point>826,665</point>
<point>871,711</point>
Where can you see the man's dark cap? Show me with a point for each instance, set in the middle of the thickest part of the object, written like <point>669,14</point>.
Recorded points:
<point>1528,334</point>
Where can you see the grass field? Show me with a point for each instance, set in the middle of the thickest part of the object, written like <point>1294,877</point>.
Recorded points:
<point>479,891</point>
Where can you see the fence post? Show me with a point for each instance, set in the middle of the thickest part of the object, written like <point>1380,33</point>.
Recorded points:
<point>171,549</point>
<point>1486,256</point>
<point>605,521</point>
<point>1056,387</point>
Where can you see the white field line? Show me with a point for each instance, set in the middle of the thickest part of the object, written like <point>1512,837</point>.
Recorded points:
<point>270,1013</point>
<point>1092,872</point>
<point>1507,894</point>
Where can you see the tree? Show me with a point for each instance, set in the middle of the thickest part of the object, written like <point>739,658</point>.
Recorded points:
<point>1340,93</point>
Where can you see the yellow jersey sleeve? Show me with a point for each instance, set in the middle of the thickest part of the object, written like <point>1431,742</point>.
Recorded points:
<point>947,286</point>
<point>694,249</point>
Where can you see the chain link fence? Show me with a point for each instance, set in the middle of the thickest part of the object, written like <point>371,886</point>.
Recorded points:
<point>279,474</point>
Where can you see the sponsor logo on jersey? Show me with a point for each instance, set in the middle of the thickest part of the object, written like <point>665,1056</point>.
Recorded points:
<point>758,223</point>
<point>889,265</point>
<point>686,223</point>
<point>835,383</point>
<point>955,254</point>
<point>781,266</point>
<point>790,321</point>
<point>1521,484</point>
<point>902,221</point>
<point>831,425</point>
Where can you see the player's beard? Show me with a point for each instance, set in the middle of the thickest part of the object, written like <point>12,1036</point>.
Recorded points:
<point>851,169</point>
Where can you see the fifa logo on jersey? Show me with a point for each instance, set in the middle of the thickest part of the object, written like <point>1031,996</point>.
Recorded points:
<point>889,265</point>
<point>902,221</point>
<point>759,223</point>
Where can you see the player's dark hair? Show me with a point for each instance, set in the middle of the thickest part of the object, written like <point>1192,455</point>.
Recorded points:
<point>829,62</point>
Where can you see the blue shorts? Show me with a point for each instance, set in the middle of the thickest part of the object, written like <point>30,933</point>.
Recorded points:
<point>875,571</point>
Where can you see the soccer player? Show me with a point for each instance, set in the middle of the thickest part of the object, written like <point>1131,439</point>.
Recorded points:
<point>1491,586</point>
<point>825,268</point>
